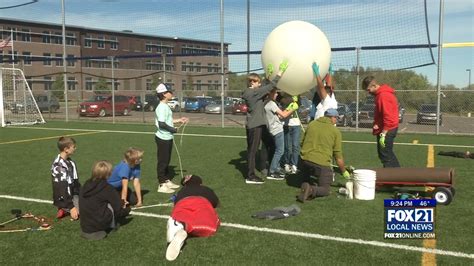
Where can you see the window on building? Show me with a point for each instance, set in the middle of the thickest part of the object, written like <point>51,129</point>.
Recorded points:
<point>89,84</point>
<point>183,66</point>
<point>58,38</point>
<point>46,37</point>
<point>198,85</point>
<point>191,67</point>
<point>70,60</point>
<point>101,42</point>
<point>70,39</point>
<point>71,83</point>
<point>216,68</point>
<point>87,41</point>
<point>9,30</point>
<point>101,64</point>
<point>113,43</point>
<point>26,58</point>
<point>88,63</point>
<point>116,85</point>
<point>46,59</point>
<point>148,47</point>
<point>209,67</point>
<point>48,83</point>
<point>183,84</point>
<point>26,35</point>
<point>29,81</point>
<point>148,85</point>
<point>59,59</point>
<point>148,65</point>
<point>198,67</point>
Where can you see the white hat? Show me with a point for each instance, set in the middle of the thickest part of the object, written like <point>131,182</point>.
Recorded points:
<point>162,88</point>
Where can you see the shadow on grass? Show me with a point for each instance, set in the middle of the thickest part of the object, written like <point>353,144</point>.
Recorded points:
<point>240,163</point>
<point>175,172</point>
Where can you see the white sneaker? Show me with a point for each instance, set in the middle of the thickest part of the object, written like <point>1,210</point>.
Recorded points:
<point>163,188</point>
<point>175,245</point>
<point>172,227</point>
<point>171,185</point>
<point>287,168</point>
<point>294,169</point>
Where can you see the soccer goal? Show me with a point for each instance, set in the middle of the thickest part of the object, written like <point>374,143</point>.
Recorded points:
<point>17,104</point>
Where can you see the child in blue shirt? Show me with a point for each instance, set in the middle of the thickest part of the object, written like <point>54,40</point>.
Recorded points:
<point>124,172</point>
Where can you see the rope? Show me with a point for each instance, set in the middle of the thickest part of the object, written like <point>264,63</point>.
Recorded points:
<point>177,151</point>
<point>43,224</point>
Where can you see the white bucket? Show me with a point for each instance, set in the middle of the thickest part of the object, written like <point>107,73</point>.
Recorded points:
<point>364,184</point>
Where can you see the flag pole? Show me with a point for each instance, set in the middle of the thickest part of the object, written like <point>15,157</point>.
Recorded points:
<point>13,65</point>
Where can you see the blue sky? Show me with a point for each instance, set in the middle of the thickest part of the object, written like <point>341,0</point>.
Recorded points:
<point>356,23</point>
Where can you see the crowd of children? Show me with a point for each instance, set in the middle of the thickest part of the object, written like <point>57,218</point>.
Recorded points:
<point>105,199</point>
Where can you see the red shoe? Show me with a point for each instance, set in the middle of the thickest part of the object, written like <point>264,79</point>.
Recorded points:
<point>61,213</point>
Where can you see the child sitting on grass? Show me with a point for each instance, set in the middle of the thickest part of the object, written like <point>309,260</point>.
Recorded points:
<point>100,205</point>
<point>126,170</point>
<point>65,180</point>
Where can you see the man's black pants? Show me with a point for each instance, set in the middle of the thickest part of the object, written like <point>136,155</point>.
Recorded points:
<point>386,155</point>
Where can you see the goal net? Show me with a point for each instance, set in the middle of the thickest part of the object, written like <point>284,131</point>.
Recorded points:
<point>17,104</point>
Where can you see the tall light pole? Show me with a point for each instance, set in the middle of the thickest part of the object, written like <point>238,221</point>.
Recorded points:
<point>469,83</point>
<point>65,81</point>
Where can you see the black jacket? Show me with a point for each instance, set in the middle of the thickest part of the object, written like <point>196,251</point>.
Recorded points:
<point>93,200</point>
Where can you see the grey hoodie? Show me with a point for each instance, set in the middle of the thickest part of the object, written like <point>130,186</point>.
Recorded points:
<point>254,98</point>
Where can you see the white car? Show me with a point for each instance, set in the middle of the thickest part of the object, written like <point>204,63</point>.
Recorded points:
<point>174,104</point>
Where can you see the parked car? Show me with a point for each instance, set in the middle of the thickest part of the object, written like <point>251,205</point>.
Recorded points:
<point>401,113</point>
<point>239,108</point>
<point>101,105</point>
<point>370,107</point>
<point>174,104</point>
<point>366,115</point>
<point>427,114</point>
<point>197,104</point>
<point>135,103</point>
<point>151,102</point>
<point>345,115</point>
<point>25,106</point>
<point>215,107</point>
<point>47,103</point>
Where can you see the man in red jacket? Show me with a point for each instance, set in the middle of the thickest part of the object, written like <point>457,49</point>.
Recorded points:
<point>385,119</point>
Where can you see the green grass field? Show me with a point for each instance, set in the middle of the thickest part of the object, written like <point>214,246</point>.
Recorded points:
<point>329,231</point>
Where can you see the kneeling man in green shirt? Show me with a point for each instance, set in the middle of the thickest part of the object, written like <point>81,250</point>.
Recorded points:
<point>321,142</point>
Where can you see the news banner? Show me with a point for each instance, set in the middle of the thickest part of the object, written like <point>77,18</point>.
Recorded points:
<point>409,219</point>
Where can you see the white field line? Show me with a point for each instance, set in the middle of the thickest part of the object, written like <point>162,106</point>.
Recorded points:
<point>240,137</point>
<point>295,233</point>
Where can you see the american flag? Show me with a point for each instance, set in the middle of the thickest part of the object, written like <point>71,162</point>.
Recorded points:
<point>6,43</point>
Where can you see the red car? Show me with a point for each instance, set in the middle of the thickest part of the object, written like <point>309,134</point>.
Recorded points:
<point>101,105</point>
<point>239,108</point>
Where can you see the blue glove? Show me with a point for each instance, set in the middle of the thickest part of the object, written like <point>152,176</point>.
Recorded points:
<point>382,140</point>
<point>315,69</point>
<point>331,69</point>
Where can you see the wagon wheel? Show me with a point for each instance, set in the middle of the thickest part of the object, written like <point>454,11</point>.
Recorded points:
<point>453,191</point>
<point>443,195</point>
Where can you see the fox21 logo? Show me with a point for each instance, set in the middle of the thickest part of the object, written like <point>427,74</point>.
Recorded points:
<point>409,218</point>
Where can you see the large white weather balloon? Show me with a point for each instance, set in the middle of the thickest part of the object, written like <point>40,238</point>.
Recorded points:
<point>301,43</point>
